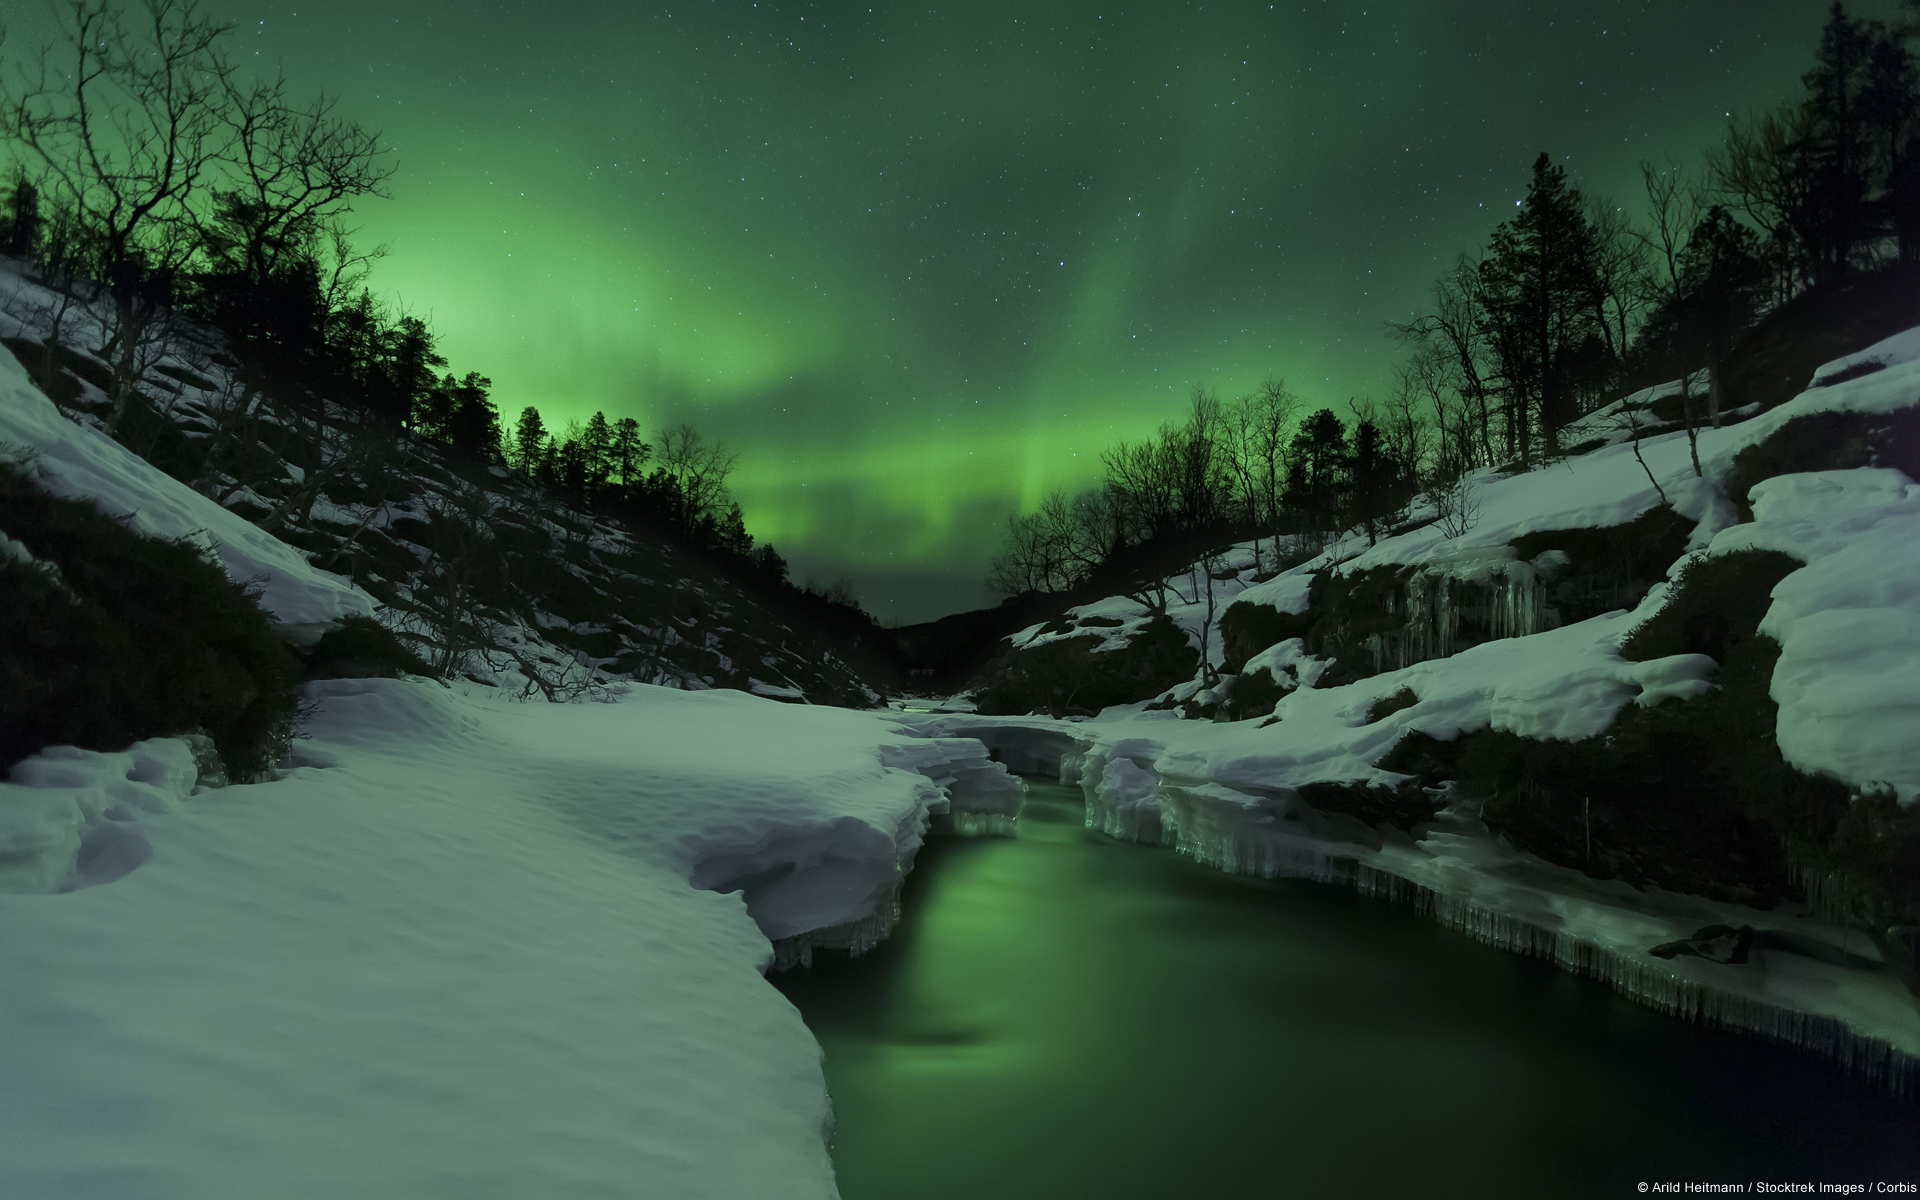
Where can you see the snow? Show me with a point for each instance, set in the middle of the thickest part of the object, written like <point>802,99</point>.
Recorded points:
<point>1287,592</point>
<point>461,949</point>
<point>65,797</point>
<point>1848,623</point>
<point>80,462</point>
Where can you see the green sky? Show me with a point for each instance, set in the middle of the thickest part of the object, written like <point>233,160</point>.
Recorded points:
<point>919,264</point>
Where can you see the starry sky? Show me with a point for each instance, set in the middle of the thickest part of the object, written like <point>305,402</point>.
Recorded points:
<point>919,263</point>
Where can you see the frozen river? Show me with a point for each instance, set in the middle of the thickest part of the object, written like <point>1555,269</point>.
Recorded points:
<point>1062,1015</point>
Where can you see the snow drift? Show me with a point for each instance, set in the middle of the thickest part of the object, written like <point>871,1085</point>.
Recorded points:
<point>463,948</point>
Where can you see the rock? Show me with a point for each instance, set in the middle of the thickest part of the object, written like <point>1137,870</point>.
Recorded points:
<point>1715,943</point>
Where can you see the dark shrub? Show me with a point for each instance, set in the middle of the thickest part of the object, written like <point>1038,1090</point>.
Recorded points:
<point>1246,629</point>
<point>1692,795</point>
<point>114,636</point>
<point>362,648</point>
<point>1074,676</point>
<point>1829,441</point>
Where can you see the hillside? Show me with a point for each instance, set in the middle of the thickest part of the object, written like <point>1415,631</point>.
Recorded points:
<point>1657,721</point>
<point>474,571</point>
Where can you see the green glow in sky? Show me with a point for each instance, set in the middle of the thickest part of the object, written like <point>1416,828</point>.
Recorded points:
<point>920,265</point>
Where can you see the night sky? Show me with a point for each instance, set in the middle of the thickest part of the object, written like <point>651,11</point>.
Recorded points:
<point>919,264</point>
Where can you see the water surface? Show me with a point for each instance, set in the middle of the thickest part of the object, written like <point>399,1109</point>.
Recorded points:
<point>1063,1015</point>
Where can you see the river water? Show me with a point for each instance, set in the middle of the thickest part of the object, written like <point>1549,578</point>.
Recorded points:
<point>1062,1015</point>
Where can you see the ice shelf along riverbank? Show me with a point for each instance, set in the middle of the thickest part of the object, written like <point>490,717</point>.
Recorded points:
<point>1213,792</point>
<point>1065,1015</point>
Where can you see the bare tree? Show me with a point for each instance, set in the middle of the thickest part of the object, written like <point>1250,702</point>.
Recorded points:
<point>293,170</point>
<point>1763,171</point>
<point>1405,433</point>
<point>1457,354</point>
<point>1144,477</point>
<point>1456,504</point>
<point>1674,208</point>
<point>1258,428</point>
<point>341,446</point>
<point>122,120</point>
<point>1633,422</point>
<point>234,459</point>
<point>1200,582</point>
<point>461,580</point>
<point>1622,284</point>
<point>699,466</point>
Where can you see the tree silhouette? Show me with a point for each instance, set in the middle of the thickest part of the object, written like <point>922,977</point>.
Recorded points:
<point>1538,280</point>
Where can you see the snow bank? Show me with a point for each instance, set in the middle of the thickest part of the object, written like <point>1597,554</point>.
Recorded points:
<point>82,463</point>
<point>1848,623</point>
<point>464,948</point>
<point>68,816</point>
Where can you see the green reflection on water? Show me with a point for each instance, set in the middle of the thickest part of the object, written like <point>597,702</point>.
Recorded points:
<point>1063,1015</point>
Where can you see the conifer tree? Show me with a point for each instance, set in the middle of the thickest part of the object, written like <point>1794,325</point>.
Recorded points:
<point>1318,458</point>
<point>596,452</point>
<point>529,441</point>
<point>627,452</point>
<point>1538,281</point>
<point>1374,479</point>
<point>1835,218</point>
<point>473,423</point>
<point>1890,103</point>
<point>20,227</point>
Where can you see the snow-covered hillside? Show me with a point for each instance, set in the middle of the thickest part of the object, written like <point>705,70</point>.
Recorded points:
<point>80,462</point>
<point>554,598</point>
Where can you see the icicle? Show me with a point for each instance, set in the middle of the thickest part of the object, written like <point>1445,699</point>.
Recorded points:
<point>985,824</point>
<point>855,937</point>
<point>1171,817</point>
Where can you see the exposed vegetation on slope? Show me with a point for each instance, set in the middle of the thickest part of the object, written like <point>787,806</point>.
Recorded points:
<point>114,637</point>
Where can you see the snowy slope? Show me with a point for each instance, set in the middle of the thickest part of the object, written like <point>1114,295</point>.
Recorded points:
<point>591,600</point>
<point>1848,623</point>
<point>462,950</point>
<point>80,462</point>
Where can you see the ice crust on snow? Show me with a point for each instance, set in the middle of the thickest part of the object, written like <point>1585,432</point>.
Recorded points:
<point>464,948</point>
<point>79,462</point>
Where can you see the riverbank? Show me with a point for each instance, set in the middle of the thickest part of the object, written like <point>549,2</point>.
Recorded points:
<point>1200,788</point>
<point>1068,1015</point>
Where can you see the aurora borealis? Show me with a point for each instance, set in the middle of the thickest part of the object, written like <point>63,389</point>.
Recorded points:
<point>919,264</point>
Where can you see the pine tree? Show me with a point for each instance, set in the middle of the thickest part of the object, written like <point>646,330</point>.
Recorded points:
<point>20,227</point>
<point>1374,479</point>
<point>1318,458</point>
<point>1890,107</point>
<point>628,452</point>
<point>410,373</point>
<point>529,441</point>
<point>473,423</point>
<point>1835,217</point>
<point>596,453</point>
<point>1720,286</point>
<point>1538,282</point>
